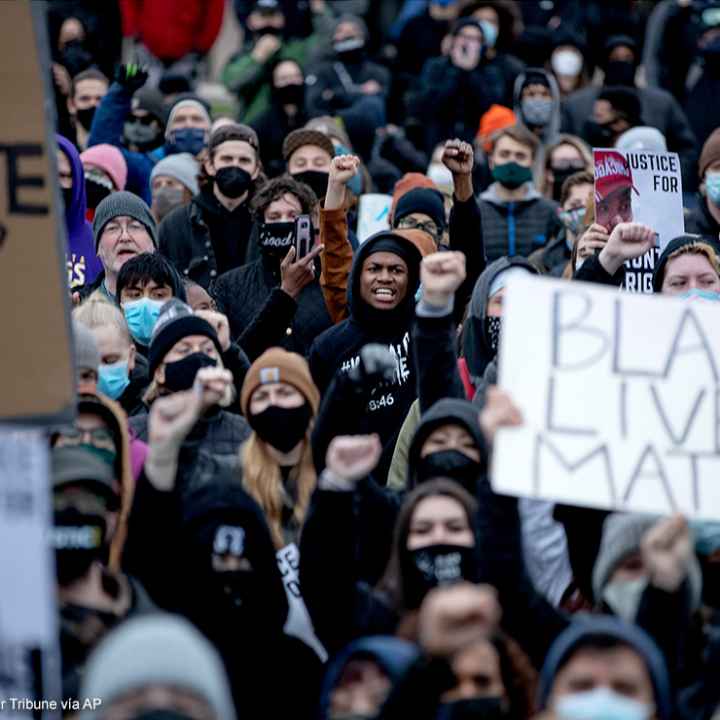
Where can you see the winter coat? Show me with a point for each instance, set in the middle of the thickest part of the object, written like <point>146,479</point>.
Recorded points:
<point>262,315</point>
<point>83,264</point>
<point>271,128</point>
<point>700,222</point>
<point>517,227</point>
<point>554,257</point>
<point>218,432</point>
<point>170,32</point>
<point>341,81</point>
<point>184,238</point>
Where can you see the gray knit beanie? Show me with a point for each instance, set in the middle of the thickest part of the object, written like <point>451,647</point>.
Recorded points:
<point>87,355</point>
<point>622,535</point>
<point>156,649</point>
<point>127,204</point>
<point>181,166</point>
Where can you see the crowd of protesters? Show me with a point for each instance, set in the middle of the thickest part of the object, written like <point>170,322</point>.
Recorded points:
<point>274,501</point>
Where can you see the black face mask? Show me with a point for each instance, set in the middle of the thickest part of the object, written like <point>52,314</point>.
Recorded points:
<point>481,708</point>
<point>290,95</point>
<point>95,193</point>
<point>619,72</point>
<point>598,135</point>
<point>85,117</point>
<point>283,428</point>
<point>560,175</point>
<point>233,181</point>
<point>67,194</point>
<point>711,582</point>
<point>434,565</point>
<point>78,539</point>
<point>449,464</point>
<point>316,179</point>
<point>275,32</point>
<point>350,51</point>
<point>238,588</point>
<point>180,375</point>
<point>75,57</point>
<point>493,326</point>
<point>276,238</point>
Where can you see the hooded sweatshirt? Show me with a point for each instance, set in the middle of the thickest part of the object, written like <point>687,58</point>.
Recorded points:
<point>582,631</point>
<point>392,655</point>
<point>82,262</point>
<point>476,344</point>
<point>549,131</point>
<point>338,348</point>
<point>447,411</point>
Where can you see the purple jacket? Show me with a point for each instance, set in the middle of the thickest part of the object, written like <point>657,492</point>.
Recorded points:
<point>82,263</point>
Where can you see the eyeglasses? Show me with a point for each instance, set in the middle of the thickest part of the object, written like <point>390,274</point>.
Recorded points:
<point>132,228</point>
<point>427,226</point>
<point>99,437</point>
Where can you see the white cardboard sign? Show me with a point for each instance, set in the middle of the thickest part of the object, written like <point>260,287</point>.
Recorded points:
<point>620,395</point>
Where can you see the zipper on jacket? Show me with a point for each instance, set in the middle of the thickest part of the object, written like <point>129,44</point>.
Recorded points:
<point>511,230</point>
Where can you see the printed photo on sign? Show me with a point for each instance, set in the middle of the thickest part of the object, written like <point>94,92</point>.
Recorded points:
<point>619,402</point>
<point>644,187</point>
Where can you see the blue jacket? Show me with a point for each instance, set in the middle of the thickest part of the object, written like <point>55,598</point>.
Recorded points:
<point>108,126</point>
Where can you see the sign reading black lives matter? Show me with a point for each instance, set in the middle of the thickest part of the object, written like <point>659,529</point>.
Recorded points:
<point>36,375</point>
<point>645,187</point>
<point>620,395</point>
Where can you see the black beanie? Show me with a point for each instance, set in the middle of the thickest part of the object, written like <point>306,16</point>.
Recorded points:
<point>421,200</point>
<point>175,322</point>
<point>673,246</point>
<point>625,101</point>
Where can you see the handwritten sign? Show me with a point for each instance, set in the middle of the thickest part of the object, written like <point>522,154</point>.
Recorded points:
<point>620,395</point>
<point>36,374</point>
<point>373,214</point>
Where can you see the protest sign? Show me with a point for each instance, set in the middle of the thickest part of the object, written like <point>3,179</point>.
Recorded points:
<point>35,385</point>
<point>373,214</point>
<point>645,187</point>
<point>29,661</point>
<point>620,395</point>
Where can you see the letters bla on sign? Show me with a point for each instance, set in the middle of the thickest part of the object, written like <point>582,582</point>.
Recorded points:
<point>620,395</point>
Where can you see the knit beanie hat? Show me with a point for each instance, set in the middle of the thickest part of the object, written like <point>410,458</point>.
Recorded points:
<point>181,166</point>
<point>156,649</point>
<point>404,185</point>
<point>710,152</point>
<point>149,99</point>
<point>87,355</point>
<point>300,137</point>
<point>186,100</point>
<point>495,119</point>
<point>622,535</point>
<point>278,365</point>
<point>126,204</point>
<point>421,200</point>
<point>108,159</point>
<point>175,322</point>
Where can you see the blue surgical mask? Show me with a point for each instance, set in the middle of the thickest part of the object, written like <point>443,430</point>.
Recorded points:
<point>600,704</point>
<point>189,140</point>
<point>490,32</point>
<point>712,187</point>
<point>697,294</point>
<point>141,316</point>
<point>113,379</point>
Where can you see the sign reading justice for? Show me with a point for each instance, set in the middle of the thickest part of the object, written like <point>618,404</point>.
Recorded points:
<point>620,395</point>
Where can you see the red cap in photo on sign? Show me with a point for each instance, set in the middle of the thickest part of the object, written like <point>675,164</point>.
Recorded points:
<point>612,172</point>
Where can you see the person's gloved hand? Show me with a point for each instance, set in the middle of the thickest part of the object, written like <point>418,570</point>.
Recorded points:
<point>377,363</point>
<point>131,76</point>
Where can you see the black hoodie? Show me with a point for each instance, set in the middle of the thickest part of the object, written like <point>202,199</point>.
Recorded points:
<point>447,411</point>
<point>384,406</point>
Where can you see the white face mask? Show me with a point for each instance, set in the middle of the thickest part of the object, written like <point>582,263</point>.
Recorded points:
<point>566,62</point>
<point>601,703</point>
<point>623,597</point>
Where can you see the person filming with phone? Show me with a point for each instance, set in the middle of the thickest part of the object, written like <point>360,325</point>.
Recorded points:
<point>276,300</point>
